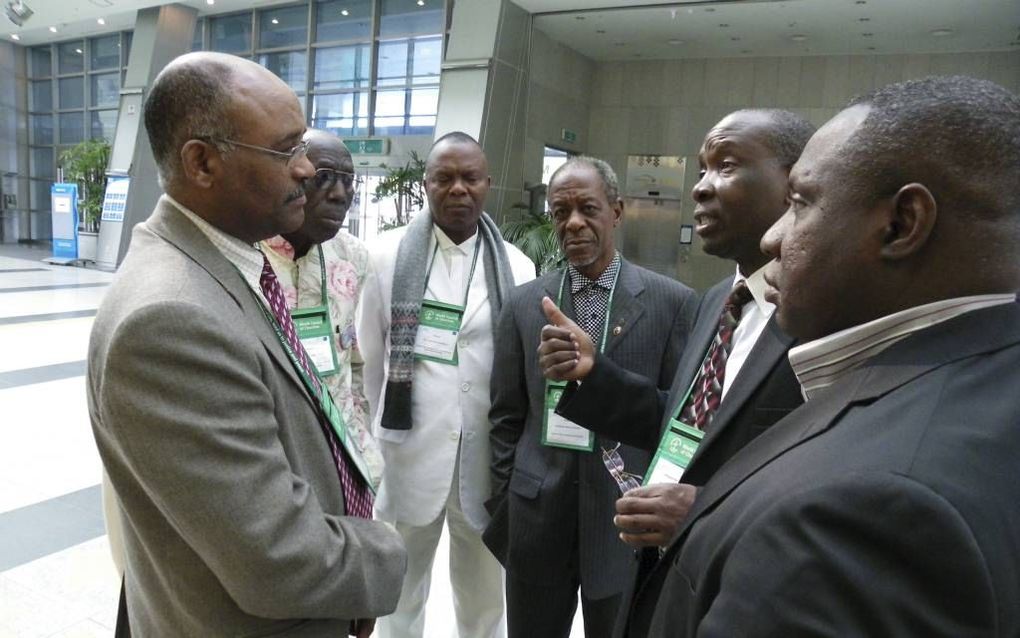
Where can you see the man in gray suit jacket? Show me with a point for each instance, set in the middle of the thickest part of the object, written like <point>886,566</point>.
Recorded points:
<point>235,492</point>
<point>745,161</point>
<point>552,494</point>
<point>887,504</point>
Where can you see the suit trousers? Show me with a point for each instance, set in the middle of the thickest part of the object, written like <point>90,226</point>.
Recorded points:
<point>547,611</point>
<point>475,575</point>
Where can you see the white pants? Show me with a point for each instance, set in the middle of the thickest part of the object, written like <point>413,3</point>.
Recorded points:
<point>475,574</point>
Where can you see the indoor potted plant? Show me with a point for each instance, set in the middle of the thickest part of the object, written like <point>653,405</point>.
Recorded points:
<point>85,164</point>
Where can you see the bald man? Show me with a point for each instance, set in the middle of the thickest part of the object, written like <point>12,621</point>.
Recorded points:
<point>246,509</point>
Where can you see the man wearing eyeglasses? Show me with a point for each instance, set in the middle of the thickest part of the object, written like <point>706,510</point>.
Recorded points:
<point>322,268</point>
<point>245,507</point>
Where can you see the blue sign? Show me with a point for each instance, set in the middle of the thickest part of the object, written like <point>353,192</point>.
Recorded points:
<point>64,198</point>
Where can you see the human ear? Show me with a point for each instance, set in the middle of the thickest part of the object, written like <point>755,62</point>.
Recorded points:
<point>202,164</point>
<point>617,212</point>
<point>911,217</point>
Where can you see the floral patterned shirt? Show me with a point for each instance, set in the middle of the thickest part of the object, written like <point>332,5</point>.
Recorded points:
<point>347,267</point>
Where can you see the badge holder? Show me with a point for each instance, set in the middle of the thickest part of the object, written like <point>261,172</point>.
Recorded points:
<point>439,323</point>
<point>558,431</point>
<point>315,330</point>
<point>676,449</point>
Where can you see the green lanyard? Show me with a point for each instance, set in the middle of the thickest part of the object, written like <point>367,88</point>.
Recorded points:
<point>609,307</point>
<point>322,277</point>
<point>471,275</point>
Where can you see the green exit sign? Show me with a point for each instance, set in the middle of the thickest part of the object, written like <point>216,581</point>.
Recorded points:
<point>368,145</point>
<point>568,136</point>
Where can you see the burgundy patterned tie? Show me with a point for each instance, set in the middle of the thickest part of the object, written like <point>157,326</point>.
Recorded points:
<point>707,392</point>
<point>357,497</point>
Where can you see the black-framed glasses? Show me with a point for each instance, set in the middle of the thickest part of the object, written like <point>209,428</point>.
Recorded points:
<point>291,156</point>
<point>326,178</point>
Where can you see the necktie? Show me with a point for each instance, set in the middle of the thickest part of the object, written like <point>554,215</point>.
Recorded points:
<point>707,392</point>
<point>357,498</point>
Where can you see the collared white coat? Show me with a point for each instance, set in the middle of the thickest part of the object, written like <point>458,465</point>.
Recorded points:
<point>449,404</point>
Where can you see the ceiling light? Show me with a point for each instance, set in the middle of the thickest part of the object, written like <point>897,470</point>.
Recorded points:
<point>600,30</point>
<point>210,2</point>
<point>867,35</point>
<point>734,39</point>
<point>78,51</point>
<point>746,51</point>
<point>18,12</point>
<point>345,12</point>
<point>800,37</point>
<point>864,19</point>
<point>709,9</point>
<point>15,37</point>
<point>275,21</point>
<point>579,17</point>
<point>100,21</point>
<point>619,44</point>
<point>421,3</point>
<point>861,2</point>
<point>674,42</point>
<point>871,48</point>
<point>53,29</point>
<point>942,33</point>
<point>724,25</point>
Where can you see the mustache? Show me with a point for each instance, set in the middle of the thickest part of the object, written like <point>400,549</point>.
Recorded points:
<point>299,192</point>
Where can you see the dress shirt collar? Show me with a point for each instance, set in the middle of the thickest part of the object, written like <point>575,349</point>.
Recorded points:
<point>820,363</point>
<point>245,257</point>
<point>578,281</point>
<point>756,284</point>
<point>447,245</point>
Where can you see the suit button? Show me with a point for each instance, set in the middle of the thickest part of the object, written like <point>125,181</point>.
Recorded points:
<point>464,387</point>
<point>454,436</point>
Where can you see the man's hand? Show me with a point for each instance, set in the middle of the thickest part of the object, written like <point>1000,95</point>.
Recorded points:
<point>362,628</point>
<point>565,352</point>
<point>649,516</point>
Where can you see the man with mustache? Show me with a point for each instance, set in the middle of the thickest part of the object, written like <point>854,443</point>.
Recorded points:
<point>322,270</point>
<point>734,379</point>
<point>555,483</point>
<point>887,504</point>
<point>426,326</point>
<point>245,508</point>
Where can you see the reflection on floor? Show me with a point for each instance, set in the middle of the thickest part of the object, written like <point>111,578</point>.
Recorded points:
<point>56,576</point>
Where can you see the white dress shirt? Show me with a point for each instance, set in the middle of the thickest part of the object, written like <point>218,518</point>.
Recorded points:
<point>755,315</point>
<point>819,363</point>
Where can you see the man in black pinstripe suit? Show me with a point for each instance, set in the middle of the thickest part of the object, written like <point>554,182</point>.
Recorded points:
<point>553,498</point>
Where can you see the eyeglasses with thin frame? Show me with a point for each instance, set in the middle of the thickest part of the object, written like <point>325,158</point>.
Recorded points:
<point>614,464</point>
<point>326,178</point>
<point>291,156</point>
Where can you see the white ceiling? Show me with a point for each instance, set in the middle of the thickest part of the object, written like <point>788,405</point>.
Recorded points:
<point>755,28</point>
<point>644,29</point>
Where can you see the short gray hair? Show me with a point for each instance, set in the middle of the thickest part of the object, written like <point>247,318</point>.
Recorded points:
<point>188,100</point>
<point>610,184</point>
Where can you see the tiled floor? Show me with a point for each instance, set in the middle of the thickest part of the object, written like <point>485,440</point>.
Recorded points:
<point>58,579</point>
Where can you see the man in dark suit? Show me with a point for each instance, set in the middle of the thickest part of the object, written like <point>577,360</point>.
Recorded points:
<point>887,504</point>
<point>244,512</point>
<point>553,497</point>
<point>745,161</point>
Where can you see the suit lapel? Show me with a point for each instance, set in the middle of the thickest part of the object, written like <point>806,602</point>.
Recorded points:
<point>171,225</point>
<point>771,347</point>
<point>627,307</point>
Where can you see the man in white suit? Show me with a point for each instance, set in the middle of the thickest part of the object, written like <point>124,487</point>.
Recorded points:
<point>425,326</point>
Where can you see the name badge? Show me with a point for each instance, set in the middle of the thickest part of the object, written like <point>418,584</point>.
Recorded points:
<point>438,329</point>
<point>558,431</point>
<point>316,335</point>
<point>676,449</point>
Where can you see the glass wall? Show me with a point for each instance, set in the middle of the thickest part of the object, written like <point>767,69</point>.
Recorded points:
<point>360,67</point>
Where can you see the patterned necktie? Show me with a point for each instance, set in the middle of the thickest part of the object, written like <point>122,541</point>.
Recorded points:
<point>707,392</point>
<point>357,498</point>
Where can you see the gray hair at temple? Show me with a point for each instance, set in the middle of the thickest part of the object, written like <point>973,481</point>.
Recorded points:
<point>190,99</point>
<point>610,184</point>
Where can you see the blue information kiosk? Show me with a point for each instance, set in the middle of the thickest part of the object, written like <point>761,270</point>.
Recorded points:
<point>64,198</point>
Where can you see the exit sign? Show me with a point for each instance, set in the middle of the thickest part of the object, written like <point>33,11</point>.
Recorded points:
<point>568,136</point>
<point>367,145</point>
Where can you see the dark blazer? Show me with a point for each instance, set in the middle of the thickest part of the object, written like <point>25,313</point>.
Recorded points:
<point>549,502</point>
<point>629,408</point>
<point>887,506</point>
<point>233,515</point>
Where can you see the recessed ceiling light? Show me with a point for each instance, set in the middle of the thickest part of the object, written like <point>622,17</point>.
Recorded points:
<point>579,17</point>
<point>942,33</point>
<point>734,39</point>
<point>600,30</point>
<point>619,44</point>
<point>867,35</point>
<point>210,2</point>
<point>78,51</point>
<point>421,3</point>
<point>724,25</point>
<point>871,48</point>
<point>53,29</point>
<point>275,21</point>
<point>15,37</point>
<point>864,19</point>
<point>746,51</point>
<point>674,42</point>
<point>345,12</point>
<point>861,2</point>
<point>800,37</point>
<point>709,9</point>
<point>100,21</point>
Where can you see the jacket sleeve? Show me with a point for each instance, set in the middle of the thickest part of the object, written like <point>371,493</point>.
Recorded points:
<point>509,393</point>
<point>188,419</point>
